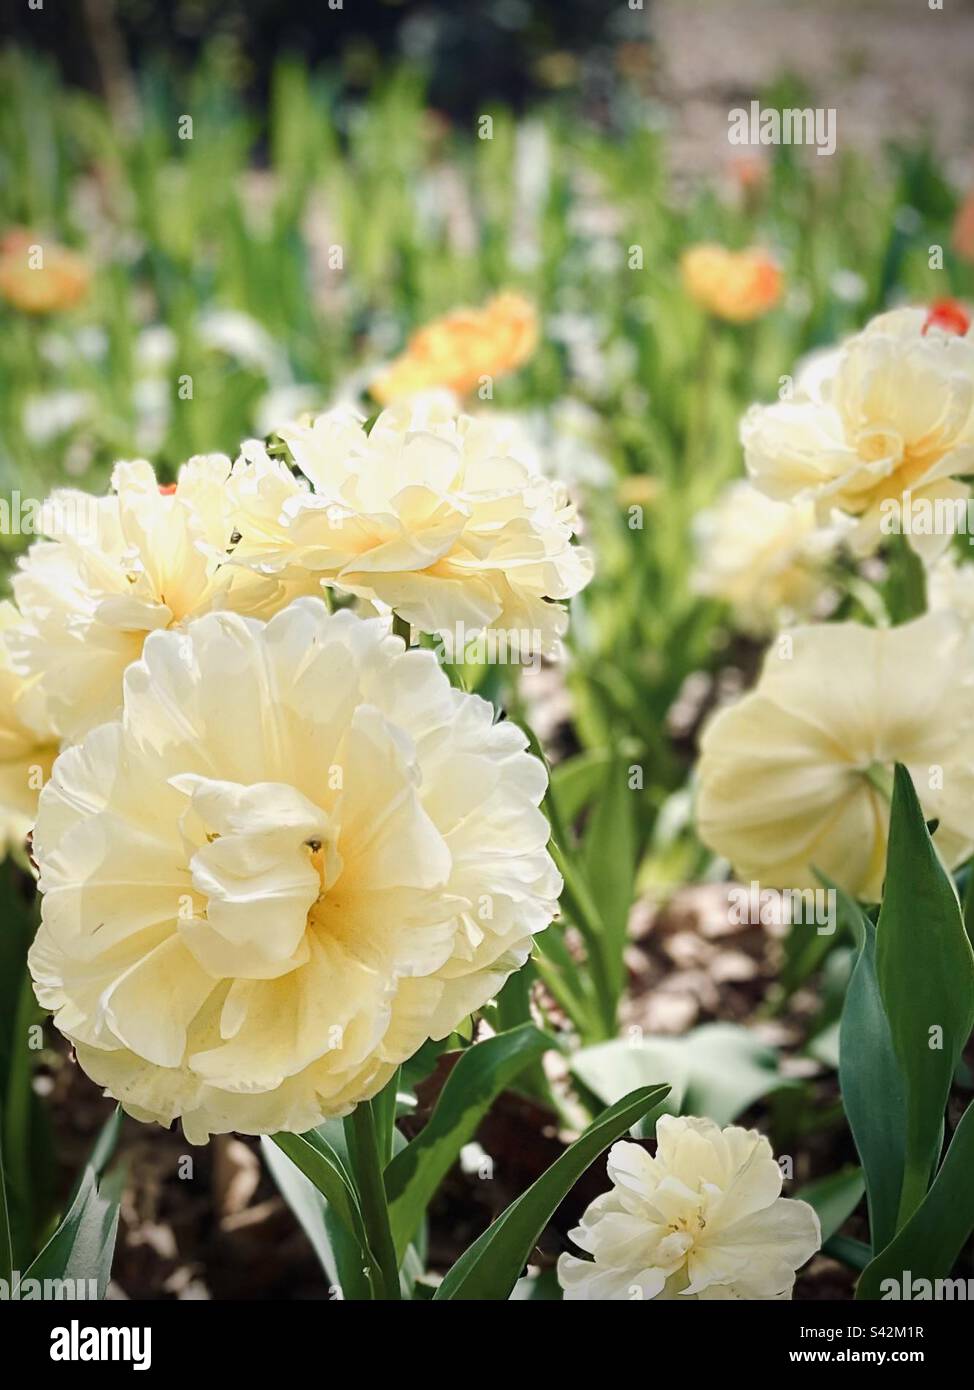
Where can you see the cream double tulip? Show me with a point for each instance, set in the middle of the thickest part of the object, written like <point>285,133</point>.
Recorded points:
<point>796,776</point>
<point>950,587</point>
<point>767,560</point>
<point>704,1219</point>
<point>27,749</point>
<point>299,855</point>
<point>116,568</point>
<point>428,513</point>
<point>883,425</point>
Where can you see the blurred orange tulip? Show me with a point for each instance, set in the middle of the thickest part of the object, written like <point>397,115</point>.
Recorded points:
<point>738,286</point>
<point>40,277</point>
<point>455,352</point>
<point>749,172</point>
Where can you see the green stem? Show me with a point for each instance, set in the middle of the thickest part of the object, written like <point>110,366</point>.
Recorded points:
<point>880,776</point>
<point>582,911</point>
<point>402,629</point>
<point>906,586</point>
<point>697,438</point>
<point>363,1147</point>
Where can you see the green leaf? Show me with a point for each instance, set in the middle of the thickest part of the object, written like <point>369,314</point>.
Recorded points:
<point>717,1070</point>
<point>101,1154</point>
<point>323,1167</point>
<point>871,1084</point>
<point>569,983</point>
<point>537,1288</point>
<point>480,1074</point>
<point>609,856</point>
<point>490,1268</point>
<point>804,953</point>
<point>6,1246</point>
<point>575,782</point>
<point>580,908</point>
<point>83,1245</point>
<point>584,995</point>
<point>925,968</point>
<point>365,1169</point>
<point>16,930</point>
<point>339,1252</point>
<point>854,1253</point>
<point>931,1240</point>
<point>26,1142</point>
<point>967,899</point>
<point>906,585</point>
<point>834,1198</point>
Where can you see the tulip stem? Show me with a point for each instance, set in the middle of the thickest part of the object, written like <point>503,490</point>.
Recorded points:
<point>881,777</point>
<point>363,1147</point>
<point>906,585</point>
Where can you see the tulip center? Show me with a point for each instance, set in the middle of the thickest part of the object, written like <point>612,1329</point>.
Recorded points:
<point>681,1235</point>
<point>876,443</point>
<point>880,776</point>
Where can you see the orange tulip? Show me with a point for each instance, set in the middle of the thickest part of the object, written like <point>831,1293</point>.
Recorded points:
<point>40,277</point>
<point>455,352</point>
<point>738,286</point>
<point>749,172</point>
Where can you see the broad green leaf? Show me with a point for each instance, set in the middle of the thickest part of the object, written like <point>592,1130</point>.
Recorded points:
<point>83,1245</point>
<point>324,1168</point>
<point>932,1239</point>
<point>480,1074</point>
<point>491,1267</point>
<point>537,1288</point>
<point>609,1071</point>
<point>339,1251</point>
<point>609,855</point>
<point>422,1064</point>
<point>101,1154</point>
<point>925,968</point>
<point>854,1253</point>
<point>872,1085</point>
<point>834,1198</point>
<point>717,1070</point>
<point>575,782</point>
<point>305,1201</point>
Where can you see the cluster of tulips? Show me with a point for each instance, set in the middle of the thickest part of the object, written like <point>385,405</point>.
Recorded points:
<point>280,848</point>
